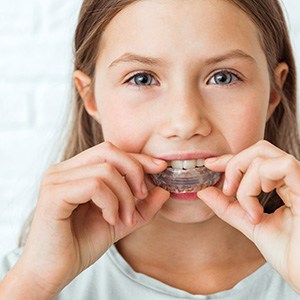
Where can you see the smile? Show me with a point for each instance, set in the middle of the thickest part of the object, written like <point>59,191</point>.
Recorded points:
<point>186,176</point>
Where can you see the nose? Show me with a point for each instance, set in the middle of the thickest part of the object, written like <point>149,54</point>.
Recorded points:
<point>184,116</point>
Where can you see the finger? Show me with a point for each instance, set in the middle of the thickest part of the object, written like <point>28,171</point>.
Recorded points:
<point>227,209</point>
<point>110,176</point>
<point>147,208</point>
<point>120,188</point>
<point>107,152</point>
<point>221,164</point>
<point>285,195</point>
<point>150,164</point>
<point>285,168</point>
<point>218,164</point>
<point>249,189</point>
<point>61,200</point>
<point>105,171</point>
<point>239,163</point>
<point>132,167</point>
<point>107,201</point>
<point>283,173</point>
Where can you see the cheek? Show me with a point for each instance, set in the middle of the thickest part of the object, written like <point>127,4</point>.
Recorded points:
<point>245,127</point>
<point>124,127</point>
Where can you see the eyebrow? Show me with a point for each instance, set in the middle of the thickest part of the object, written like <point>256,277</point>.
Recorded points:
<point>135,58</point>
<point>236,53</point>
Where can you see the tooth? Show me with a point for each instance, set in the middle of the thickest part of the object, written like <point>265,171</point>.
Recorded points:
<point>200,162</point>
<point>189,164</point>
<point>177,164</point>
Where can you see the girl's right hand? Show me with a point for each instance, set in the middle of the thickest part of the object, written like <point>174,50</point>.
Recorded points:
<point>86,204</point>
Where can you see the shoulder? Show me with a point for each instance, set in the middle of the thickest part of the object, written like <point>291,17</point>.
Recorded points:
<point>266,283</point>
<point>109,278</point>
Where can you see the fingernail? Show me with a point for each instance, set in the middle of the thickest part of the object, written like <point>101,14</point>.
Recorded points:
<point>158,162</point>
<point>210,160</point>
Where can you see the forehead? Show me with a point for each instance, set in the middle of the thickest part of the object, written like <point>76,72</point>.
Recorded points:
<point>170,27</point>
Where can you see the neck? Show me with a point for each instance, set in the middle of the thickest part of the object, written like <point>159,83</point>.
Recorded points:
<point>211,247</point>
<point>208,242</point>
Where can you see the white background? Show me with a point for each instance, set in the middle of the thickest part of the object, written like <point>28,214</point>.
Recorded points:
<point>35,74</point>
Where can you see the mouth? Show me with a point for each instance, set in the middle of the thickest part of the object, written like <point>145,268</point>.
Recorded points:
<point>186,176</point>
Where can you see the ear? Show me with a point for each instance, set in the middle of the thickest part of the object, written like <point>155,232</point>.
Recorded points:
<point>84,88</point>
<point>280,74</point>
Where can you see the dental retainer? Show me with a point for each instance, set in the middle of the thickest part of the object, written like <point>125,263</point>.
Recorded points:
<point>186,180</point>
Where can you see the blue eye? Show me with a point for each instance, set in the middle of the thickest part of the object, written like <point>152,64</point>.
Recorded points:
<point>142,79</point>
<point>223,78</point>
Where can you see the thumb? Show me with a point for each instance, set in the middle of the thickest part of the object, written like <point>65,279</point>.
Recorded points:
<point>228,209</point>
<point>219,163</point>
<point>147,208</point>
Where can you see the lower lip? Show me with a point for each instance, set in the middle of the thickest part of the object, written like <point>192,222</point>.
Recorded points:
<point>184,196</point>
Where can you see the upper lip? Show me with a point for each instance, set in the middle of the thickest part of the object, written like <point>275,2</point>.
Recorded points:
<point>186,156</point>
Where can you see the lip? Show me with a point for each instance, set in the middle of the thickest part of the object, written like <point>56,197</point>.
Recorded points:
<point>184,196</point>
<point>187,156</point>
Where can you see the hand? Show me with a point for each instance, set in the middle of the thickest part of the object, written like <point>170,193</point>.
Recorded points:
<point>262,167</point>
<point>86,204</point>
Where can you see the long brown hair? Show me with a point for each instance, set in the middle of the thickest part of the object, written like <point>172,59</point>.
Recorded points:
<point>281,128</point>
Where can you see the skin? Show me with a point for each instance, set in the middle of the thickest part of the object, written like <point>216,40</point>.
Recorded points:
<point>224,233</point>
<point>181,85</point>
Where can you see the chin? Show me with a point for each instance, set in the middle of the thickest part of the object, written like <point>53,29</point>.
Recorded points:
<point>186,212</point>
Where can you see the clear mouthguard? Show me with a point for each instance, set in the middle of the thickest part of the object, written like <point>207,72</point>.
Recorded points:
<point>186,181</point>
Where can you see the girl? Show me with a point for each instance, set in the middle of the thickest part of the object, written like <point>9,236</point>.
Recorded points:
<point>178,83</point>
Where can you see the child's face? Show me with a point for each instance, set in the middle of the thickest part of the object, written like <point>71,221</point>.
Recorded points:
<point>182,79</point>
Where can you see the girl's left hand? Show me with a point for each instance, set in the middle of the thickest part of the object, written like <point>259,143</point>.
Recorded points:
<point>261,167</point>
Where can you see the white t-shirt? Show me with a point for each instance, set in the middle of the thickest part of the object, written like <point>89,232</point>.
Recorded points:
<point>112,278</point>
